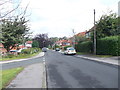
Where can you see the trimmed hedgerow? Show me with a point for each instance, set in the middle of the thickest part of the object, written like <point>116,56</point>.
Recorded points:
<point>105,46</point>
<point>108,46</point>
<point>84,47</point>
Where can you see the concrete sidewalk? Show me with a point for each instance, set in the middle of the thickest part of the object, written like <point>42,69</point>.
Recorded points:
<point>110,60</point>
<point>32,76</point>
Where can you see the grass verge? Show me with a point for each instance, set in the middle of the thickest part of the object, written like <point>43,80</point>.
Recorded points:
<point>101,56</point>
<point>21,56</point>
<point>8,76</point>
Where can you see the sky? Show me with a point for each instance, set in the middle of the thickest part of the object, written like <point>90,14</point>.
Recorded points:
<point>58,18</point>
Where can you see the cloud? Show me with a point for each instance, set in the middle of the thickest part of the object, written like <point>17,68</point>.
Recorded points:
<point>59,17</point>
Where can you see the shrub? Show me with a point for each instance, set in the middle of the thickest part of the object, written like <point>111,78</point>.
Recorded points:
<point>30,50</point>
<point>9,56</point>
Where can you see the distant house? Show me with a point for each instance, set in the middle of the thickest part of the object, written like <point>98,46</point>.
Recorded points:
<point>88,33</point>
<point>13,50</point>
<point>28,44</point>
<point>21,47</point>
<point>3,51</point>
<point>81,34</point>
<point>64,42</point>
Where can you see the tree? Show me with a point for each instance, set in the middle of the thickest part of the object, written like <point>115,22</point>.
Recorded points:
<point>42,39</point>
<point>35,44</point>
<point>107,26</point>
<point>53,40</point>
<point>13,31</point>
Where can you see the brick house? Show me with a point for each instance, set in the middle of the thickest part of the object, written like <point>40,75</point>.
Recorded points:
<point>3,51</point>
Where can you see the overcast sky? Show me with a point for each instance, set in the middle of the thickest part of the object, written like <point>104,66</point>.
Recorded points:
<point>59,17</point>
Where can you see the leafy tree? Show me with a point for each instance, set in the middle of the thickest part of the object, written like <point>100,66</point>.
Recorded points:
<point>13,31</point>
<point>53,40</point>
<point>107,26</point>
<point>35,44</point>
<point>80,38</point>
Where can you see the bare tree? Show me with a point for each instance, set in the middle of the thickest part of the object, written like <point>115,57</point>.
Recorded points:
<point>4,12</point>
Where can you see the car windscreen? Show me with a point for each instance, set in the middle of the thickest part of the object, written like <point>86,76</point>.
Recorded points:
<point>71,49</point>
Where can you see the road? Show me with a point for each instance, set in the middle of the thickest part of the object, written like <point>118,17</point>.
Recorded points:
<point>22,63</point>
<point>65,71</point>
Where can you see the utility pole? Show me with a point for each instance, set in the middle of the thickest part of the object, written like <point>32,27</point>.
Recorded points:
<point>73,38</point>
<point>94,34</point>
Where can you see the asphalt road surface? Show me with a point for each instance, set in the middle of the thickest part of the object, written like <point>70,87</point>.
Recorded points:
<point>22,63</point>
<point>66,71</point>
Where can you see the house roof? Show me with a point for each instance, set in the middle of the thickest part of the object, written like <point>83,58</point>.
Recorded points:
<point>64,41</point>
<point>81,34</point>
<point>90,29</point>
<point>2,49</point>
<point>21,46</point>
<point>29,42</point>
<point>1,45</point>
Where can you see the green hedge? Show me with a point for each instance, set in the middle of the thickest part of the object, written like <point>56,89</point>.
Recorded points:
<point>84,47</point>
<point>108,46</point>
<point>105,46</point>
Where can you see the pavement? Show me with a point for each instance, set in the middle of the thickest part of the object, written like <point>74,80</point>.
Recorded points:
<point>109,60</point>
<point>33,76</point>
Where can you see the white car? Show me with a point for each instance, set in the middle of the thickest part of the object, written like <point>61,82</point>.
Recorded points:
<point>70,50</point>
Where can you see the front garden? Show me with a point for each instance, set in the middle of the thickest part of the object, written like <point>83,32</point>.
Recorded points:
<point>25,53</point>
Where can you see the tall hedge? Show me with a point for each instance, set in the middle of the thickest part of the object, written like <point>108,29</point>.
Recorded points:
<point>108,46</point>
<point>86,46</point>
<point>105,46</point>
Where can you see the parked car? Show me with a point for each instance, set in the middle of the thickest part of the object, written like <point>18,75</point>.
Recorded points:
<point>44,49</point>
<point>70,50</point>
<point>57,49</point>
